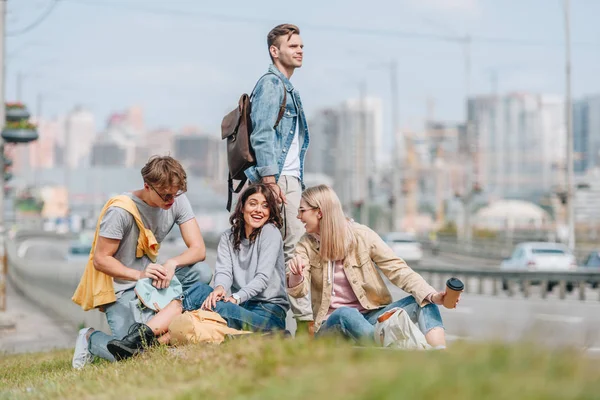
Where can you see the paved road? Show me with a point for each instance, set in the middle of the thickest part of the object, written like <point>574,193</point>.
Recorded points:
<point>33,330</point>
<point>551,321</point>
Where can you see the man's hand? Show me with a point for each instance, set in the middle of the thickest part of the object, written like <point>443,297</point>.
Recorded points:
<point>296,265</point>
<point>231,299</point>
<point>279,195</point>
<point>169,267</point>
<point>216,295</point>
<point>156,272</point>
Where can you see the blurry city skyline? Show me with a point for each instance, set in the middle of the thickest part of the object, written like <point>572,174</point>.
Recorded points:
<point>480,88</point>
<point>186,63</point>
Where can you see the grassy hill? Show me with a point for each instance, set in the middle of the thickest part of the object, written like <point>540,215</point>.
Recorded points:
<point>274,368</point>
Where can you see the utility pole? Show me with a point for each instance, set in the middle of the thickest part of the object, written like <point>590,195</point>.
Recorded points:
<point>67,156</point>
<point>20,77</point>
<point>4,267</point>
<point>569,121</point>
<point>396,171</point>
<point>366,157</point>
<point>39,104</point>
<point>470,162</point>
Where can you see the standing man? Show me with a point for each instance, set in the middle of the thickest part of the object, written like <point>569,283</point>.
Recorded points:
<point>280,149</point>
<point>161,204</point>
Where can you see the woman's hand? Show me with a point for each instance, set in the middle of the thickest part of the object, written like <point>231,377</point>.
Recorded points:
<point>438,298</point>
<point>296,265</point>
<point>231,299</point>
<point>216,295</point>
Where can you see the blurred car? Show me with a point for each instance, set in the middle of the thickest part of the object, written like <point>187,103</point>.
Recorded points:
<point>83,244</point>
<point>540,256</point>
<point>405,246</point>
<point>592,261</point>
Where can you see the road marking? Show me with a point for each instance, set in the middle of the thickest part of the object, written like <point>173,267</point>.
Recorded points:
<point>569,319</point>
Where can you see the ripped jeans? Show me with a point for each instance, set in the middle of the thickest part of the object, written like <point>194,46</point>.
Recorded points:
<point>361,327</point>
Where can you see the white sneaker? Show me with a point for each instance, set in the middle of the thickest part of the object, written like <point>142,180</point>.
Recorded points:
<point>82,355</point>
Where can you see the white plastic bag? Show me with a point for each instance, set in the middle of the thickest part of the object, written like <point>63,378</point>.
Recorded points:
<point>398,331</point>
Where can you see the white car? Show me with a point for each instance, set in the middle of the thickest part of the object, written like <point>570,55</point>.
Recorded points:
<point>541,256</point>
<point>405,246</point>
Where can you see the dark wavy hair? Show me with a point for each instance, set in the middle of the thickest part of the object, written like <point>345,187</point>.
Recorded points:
<point>238,225</point>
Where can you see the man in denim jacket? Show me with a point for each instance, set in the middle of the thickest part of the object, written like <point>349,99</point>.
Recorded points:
<point>280,149</point>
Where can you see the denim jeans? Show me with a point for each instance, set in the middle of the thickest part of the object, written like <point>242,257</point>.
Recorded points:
<point>126,311</point>
<point>256,316</point>
<point>361,327</point>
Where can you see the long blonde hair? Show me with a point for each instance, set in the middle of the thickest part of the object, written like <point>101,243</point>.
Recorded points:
<point>335,234</point>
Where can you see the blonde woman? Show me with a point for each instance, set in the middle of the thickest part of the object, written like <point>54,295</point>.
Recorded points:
<point>339,261</point>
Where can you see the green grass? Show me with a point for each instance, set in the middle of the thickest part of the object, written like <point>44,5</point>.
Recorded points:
<point>258,368</point>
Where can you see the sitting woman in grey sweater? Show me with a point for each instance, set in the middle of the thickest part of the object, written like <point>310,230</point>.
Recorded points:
<point>249,283</point>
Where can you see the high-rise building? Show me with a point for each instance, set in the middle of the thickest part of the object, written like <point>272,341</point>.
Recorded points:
<point>586,134</point>
<point>359,150</point>
<point>108,154</point>
<point>156,142</point>
<point>345,144</point>
<point>441,167</point>
<point>322,152</point>
<point>80,133</point>
<point>125,131</point>
<point>520,143</point>
<point>201,155</point>
<point>39,154</point>
<point>135,119</point>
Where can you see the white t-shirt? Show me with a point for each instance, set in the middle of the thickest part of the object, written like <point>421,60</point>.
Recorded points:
<point>291,166</point>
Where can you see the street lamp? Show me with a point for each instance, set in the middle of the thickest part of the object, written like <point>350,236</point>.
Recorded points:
<point>569,122</point>
<point>466,200</point>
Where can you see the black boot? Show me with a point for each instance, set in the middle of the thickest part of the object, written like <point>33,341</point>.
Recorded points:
<point>139,336</point>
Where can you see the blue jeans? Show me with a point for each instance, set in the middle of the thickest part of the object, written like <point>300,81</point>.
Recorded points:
<point>256,316</point>
<point>126,311</point>
<point>361,327</point>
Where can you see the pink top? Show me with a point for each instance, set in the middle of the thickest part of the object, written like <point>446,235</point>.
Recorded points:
<point>342,294</point>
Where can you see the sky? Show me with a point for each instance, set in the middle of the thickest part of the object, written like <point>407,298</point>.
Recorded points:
<point>186,62</point>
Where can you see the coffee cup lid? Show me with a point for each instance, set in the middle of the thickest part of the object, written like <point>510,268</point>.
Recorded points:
<point>455,284</point>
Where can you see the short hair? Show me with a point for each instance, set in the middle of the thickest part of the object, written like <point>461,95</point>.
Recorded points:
<point>164,172</point>
<point>279,31</point>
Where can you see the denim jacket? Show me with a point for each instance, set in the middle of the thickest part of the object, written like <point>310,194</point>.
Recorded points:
<point>272,144</point>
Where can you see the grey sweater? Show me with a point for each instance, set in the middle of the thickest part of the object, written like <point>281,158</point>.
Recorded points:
<point>255,272</point>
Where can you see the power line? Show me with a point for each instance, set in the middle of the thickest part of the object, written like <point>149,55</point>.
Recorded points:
<point>35,23</point>
<point>334,28</point>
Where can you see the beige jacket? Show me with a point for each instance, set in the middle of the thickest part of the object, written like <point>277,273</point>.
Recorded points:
<point>359,265</point>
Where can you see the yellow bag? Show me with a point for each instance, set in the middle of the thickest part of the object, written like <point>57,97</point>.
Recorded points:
<point>200,326</point>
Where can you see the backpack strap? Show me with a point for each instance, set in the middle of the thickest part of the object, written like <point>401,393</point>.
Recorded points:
<point>283,103</point>
<point>231,190</point>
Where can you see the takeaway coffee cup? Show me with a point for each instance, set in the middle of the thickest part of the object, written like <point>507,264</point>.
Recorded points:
<point>454,288</point>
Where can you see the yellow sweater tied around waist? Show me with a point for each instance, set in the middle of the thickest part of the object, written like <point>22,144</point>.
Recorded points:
<point>95,288</point>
